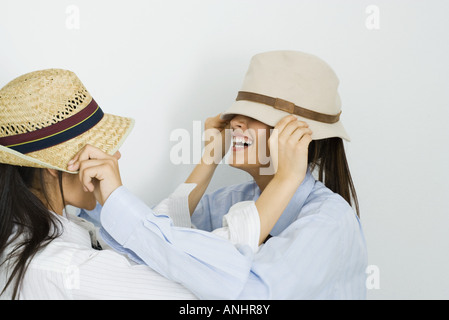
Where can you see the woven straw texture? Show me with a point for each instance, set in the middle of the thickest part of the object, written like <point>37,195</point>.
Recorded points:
<point>42,98</point>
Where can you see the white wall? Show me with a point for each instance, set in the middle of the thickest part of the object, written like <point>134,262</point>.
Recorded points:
<point>169,62</point>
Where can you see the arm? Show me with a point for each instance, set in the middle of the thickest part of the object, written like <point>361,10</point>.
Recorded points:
<point>217,143</point>
<point>289,143</point>
<point>272,203</point>
<point>201,176</point>
<point>197,259</point>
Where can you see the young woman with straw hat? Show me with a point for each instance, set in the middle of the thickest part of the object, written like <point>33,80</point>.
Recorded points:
<point>46,117</point>
<point>311,241</point>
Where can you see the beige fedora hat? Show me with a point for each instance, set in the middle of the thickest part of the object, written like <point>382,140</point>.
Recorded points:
<point>279,83</point>
<point>47,116</point>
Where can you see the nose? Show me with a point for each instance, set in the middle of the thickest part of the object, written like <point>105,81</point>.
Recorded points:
<point>239,122</point>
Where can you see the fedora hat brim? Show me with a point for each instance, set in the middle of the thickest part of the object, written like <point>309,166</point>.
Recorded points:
<point>272,116</point>
<point>108,135</point>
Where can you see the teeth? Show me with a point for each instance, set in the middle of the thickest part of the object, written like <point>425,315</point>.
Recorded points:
<point>241,141</point>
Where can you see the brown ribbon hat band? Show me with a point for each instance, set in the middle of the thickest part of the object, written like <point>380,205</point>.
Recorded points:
<point>287,106</point>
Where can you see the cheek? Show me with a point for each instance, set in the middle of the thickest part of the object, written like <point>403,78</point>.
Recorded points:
<point>74,194</point>
<point>263,150</point>
<point>86,199</point>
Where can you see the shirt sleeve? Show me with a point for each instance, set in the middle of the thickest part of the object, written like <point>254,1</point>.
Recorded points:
<point>241,225</point>
<point>188,256</point>
<point>321,255</point>
<point>176,206</point>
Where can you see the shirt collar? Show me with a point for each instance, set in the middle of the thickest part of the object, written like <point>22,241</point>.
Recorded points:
<point>295,205</point>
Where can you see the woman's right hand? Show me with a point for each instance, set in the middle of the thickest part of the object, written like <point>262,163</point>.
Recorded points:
<point>216,145</point>
<point>217,139</point>
<point>289,144</point>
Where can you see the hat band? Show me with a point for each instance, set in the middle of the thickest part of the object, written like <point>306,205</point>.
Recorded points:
<point>57,133</point>
<point>287,106</point>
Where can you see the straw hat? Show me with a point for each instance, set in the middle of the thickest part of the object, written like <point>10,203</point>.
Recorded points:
<point>47,116</point>
<point>279,83</point>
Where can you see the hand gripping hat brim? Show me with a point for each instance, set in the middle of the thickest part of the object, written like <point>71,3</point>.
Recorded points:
<point>47,116</point>
<point>280,83</point>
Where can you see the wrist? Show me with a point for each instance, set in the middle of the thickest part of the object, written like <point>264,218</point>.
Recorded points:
<point>108,193</point>
<point>210,160</point>
<point>288,180</point>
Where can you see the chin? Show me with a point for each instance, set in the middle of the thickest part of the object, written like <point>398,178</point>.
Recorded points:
<point>236,164</point>
<point>89,205</point>
<point>92,206</point>
<point>244,166</point>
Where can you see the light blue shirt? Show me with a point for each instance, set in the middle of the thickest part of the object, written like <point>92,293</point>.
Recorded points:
<point>317,251</point>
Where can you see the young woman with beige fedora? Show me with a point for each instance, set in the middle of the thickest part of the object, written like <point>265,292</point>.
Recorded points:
<point>310,243</point>
<point>46,118</point>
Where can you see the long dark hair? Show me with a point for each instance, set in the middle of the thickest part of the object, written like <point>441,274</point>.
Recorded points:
<point>20,208</point>
<point>329,157</point>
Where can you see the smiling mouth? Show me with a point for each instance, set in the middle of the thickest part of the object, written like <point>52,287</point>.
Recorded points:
<point>241,142</point>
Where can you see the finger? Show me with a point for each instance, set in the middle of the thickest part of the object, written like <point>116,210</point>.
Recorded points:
<point>73,165</point>
<point>276,131</point>
<point>288,121</point>
<point>292,127</point>
<point>298,134</point>
<point>85,179</point>
<point>219,122</point>
<point>102,178</point>
<point>84,172</point>
<point>216,123</point>
<point>91,173</point>
<point>305,140</point>
<point>283,122</point>
<point>117,155</point>
<point>218,117</point>
<point>86,153</point>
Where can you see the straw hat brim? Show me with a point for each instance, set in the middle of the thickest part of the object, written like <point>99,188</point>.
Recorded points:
<point>108,135</point>
<point>272,116</point>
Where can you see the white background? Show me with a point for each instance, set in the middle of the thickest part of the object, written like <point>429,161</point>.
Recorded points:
<point>167,63</point>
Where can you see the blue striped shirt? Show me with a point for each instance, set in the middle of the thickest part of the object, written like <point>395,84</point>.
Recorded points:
<point>317,251</point>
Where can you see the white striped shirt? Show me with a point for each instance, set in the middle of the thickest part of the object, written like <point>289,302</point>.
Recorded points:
<point>69,268</point>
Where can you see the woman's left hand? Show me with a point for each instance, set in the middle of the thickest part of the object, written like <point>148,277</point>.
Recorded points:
<point>289,144</point>
<point>98,171</point>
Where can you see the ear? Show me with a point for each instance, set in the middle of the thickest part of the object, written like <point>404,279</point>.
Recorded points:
<point>52,172</point>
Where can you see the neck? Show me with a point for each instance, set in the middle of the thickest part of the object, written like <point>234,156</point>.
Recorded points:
<point>261,180</point>
<point>51,203</point>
